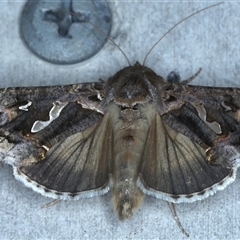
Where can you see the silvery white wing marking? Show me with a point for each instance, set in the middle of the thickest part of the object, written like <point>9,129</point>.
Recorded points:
<point>136,134</point>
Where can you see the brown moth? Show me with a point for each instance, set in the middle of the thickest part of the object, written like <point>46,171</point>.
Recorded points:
<point>135,134</point>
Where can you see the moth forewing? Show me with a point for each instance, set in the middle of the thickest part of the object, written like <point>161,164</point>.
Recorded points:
<point>16,124</point>
<point>226,101</point>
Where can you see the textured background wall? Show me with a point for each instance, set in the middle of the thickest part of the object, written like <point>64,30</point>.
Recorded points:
<point>209,40</point>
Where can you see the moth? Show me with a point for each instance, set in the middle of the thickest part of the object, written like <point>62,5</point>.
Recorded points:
<point>134,134</point>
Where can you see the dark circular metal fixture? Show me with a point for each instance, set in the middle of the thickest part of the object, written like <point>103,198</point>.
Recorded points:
<point>58,31</point>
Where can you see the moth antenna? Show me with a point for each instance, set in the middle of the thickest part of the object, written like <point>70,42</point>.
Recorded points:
<point>100,30</point>
<point>174,213</point>
<point>174,26</point>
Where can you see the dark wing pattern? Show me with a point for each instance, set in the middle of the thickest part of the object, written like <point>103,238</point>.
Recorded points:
<point>193,151</point>
<point>21,108</point>
<point>175,167</point>
<point>76,166</point>
<point>43,129</point>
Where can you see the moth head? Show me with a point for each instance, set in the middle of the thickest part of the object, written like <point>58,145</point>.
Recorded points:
<point>133,85</point>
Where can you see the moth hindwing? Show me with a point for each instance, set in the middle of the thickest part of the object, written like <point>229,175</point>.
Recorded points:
<point>135,134</point>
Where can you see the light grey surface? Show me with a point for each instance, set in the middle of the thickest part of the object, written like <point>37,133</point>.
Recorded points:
<point>209,40</point>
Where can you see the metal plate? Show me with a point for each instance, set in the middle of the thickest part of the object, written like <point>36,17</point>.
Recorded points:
<point>56,32</point>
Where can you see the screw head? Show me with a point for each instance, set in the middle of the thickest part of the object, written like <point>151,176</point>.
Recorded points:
<point>57,32</point>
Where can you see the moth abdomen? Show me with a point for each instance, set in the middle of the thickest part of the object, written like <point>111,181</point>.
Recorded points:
<point>126,194</point>
<point>127,197</point>
<point>130,132</point>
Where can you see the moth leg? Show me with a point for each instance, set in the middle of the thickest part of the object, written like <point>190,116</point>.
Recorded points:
<point>174,213</point>
<point>50,204</point>
<point>188,80</point>
<point>174,77</point>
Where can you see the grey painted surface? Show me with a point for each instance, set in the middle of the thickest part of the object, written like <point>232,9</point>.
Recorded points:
<point>209,40</point>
